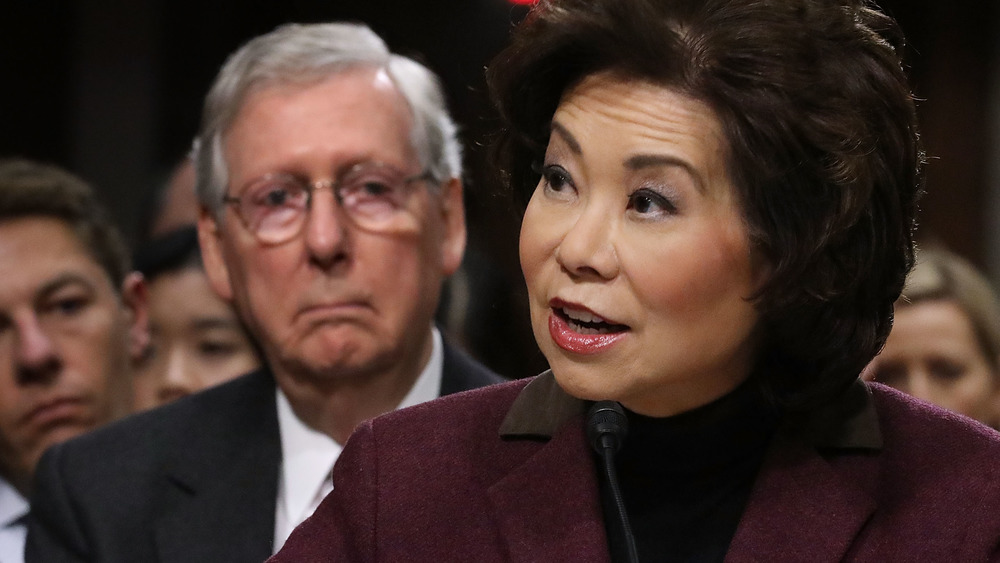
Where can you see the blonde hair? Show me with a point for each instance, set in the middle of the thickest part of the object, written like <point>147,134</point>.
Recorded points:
<point>943,275</point>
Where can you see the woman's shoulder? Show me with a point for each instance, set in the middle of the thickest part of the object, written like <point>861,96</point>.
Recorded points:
<point>938,453</point>
<point>911,425</point>
<point>938,477</point>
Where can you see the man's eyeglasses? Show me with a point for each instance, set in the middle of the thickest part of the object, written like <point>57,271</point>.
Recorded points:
<point>374,195</point>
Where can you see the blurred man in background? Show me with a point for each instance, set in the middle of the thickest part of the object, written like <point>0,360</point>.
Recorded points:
<point>328,171</point>
<point>72,323</point>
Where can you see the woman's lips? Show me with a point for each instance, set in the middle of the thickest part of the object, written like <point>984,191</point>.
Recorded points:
<point>582,333</point>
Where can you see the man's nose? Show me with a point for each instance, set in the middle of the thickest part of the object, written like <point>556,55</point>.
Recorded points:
<point>326,234</point>
<point>36,353</point>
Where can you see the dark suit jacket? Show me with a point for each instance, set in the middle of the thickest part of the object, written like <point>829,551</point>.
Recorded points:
<point>193,481</point>
<point>506,474</point>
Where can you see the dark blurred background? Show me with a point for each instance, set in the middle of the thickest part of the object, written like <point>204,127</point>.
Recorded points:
<point>112,90</point>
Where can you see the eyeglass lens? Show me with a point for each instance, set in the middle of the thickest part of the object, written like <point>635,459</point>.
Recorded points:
<point>374,196</point>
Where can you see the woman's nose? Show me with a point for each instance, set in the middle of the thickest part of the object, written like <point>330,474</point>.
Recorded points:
<point>587,248</point>
<point>918,384</point>
<point>179,378</point>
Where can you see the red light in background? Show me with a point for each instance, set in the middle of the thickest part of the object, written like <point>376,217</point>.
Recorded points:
<point>523,2</point>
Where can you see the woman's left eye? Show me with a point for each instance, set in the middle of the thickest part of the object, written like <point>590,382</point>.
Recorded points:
<point>646,201</point>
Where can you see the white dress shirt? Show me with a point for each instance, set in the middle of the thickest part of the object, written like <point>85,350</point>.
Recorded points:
<point>307,456</point>
<point>13,528</point>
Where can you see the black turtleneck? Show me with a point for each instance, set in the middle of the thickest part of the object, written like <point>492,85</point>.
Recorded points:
<point>685,479</point>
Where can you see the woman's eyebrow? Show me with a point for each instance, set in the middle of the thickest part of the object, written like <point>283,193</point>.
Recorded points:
<point>640,161</point>
<point>568,137</point>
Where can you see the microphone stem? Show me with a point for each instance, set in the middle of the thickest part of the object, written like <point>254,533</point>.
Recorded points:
<point>609,467</point>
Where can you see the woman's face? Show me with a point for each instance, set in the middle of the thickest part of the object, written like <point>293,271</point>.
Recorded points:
<point>933,354</point>
<point>196,341</point>
<point>635,253</point>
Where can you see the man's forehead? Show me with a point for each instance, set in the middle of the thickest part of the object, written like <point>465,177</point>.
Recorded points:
<point>361,77</point>
<point>349,114</point>
<point>382,80</point>
<point>40,255</point>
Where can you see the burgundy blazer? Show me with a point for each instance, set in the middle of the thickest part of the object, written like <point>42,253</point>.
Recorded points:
<point>505,474</point>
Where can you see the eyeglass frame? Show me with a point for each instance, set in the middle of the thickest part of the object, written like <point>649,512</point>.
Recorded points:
<point>333,184</point>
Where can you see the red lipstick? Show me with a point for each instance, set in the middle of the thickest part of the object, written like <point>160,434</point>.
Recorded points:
<point>564,335</point>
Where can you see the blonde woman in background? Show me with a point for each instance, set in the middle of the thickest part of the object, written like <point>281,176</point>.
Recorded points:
<point>945,344</point>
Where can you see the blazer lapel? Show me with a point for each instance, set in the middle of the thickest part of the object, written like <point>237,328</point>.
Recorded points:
<point>219,495</point>
<point>573,527</point>
<point>801,509</point>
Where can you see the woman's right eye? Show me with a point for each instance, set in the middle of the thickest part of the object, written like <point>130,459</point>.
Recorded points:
<point>556,178</point>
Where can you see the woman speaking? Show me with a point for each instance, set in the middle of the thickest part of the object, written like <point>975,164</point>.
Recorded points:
<point>719,203</point>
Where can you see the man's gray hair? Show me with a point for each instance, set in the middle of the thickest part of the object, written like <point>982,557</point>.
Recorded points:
<point>308,53</point>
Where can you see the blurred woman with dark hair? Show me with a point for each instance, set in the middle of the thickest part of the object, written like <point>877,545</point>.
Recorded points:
<point>196,339</point>
<point>720,199</point>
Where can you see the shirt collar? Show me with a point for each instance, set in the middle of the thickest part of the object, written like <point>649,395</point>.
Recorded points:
<point>13,506</point>
<point>306,458</point>
<point>849,421</point>
<point>428,384</point>
<point>309,455</point>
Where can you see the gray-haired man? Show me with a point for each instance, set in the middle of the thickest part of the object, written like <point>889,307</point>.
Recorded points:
<point>328,173</point>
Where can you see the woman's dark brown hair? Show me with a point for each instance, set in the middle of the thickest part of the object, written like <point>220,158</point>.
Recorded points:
<point>822,139</point>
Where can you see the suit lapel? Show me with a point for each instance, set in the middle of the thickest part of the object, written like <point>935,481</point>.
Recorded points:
<point>219,495</point>
<point>574,526</point>
<point>459,372</point>
<point>801,509</point>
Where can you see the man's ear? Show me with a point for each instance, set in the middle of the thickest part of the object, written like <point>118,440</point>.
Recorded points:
<point>211,255</point>
<point>135,299</point>
<point>453,220</point>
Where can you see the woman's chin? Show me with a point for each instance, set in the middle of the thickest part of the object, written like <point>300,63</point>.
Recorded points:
<point>583,386</point>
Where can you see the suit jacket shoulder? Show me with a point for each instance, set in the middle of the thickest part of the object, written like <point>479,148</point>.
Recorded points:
<point>461,372</point>
<point>160,485</point>
<point>195,480</point>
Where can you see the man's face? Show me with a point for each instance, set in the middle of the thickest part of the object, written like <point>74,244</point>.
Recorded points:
<point>334,302</point>
<point>67,340</point>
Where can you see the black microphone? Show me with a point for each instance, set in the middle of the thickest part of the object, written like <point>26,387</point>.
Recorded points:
<point>607,427</point>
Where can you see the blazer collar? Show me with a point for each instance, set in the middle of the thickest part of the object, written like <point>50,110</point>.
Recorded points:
<point>849,422</point>
<point>802,507</point>
<point>221,483</point>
